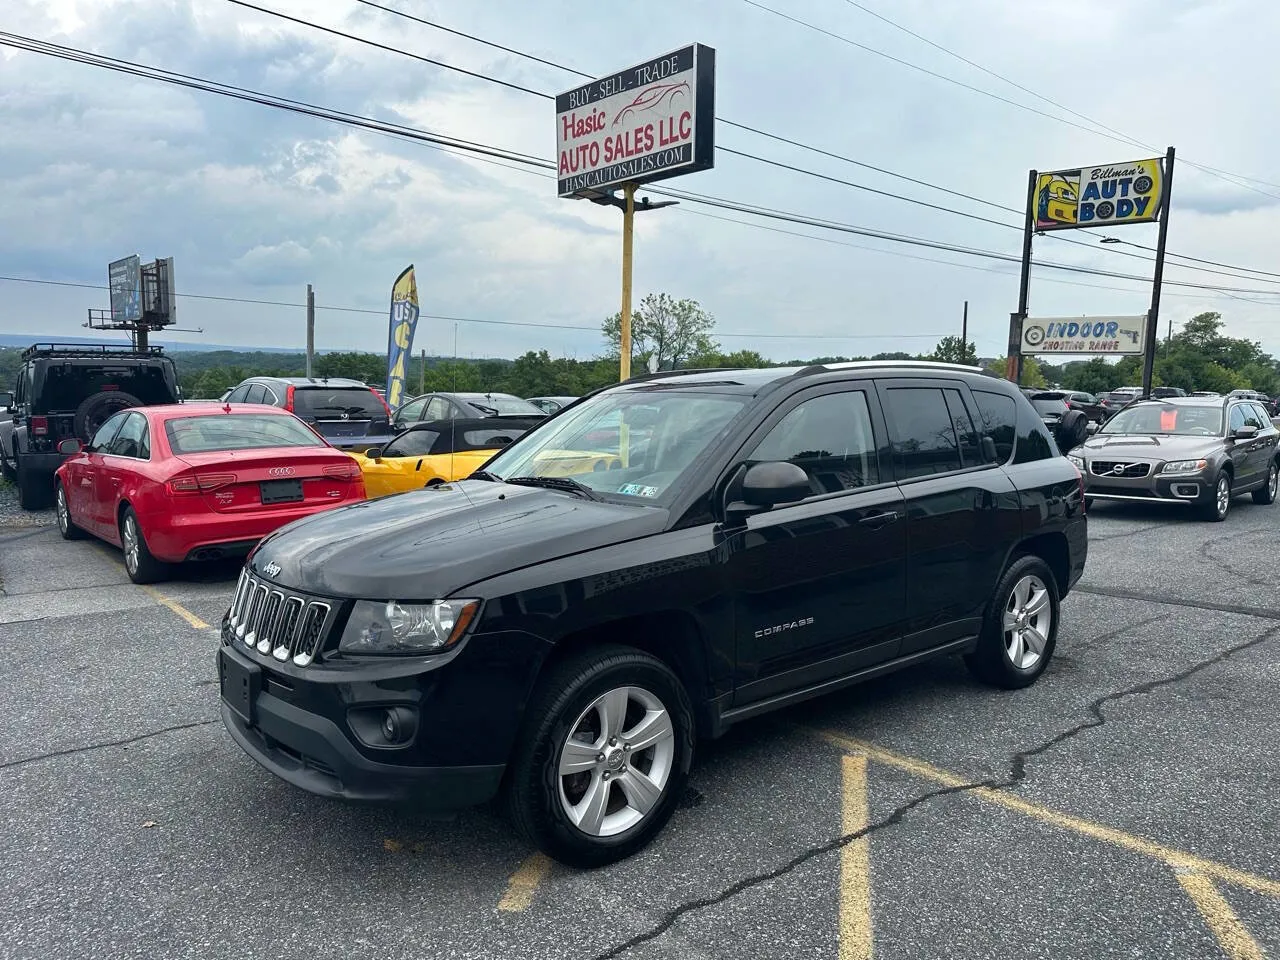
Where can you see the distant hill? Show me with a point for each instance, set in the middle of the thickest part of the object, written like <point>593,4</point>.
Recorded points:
<point>27,339</point>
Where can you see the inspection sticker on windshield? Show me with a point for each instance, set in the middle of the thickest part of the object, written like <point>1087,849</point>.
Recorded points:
<point>638,490</point>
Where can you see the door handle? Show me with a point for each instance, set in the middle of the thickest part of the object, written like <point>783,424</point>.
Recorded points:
<point>879,519</point>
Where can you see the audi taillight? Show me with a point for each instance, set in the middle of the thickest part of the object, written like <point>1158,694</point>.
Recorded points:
<point>201,483</point>
<point>39,426</point>
<point>342,471</point>
<point>288,398</point>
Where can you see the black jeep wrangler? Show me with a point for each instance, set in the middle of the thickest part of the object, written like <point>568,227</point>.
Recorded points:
<point>69,390</point>
<point>668,557</point>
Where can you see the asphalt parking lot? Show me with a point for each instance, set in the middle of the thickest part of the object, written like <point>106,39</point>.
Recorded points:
<point>1124,806</point>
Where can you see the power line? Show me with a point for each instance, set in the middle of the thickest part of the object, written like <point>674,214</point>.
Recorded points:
<point>809,147</point>
<point>128,67</point>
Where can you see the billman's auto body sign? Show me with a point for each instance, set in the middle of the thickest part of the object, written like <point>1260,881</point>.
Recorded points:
<point>648,122</point>
<point>1103,196</point>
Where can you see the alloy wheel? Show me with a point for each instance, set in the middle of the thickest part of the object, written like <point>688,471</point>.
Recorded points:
<point>1273,481</point>
<point>616,762</point>
<point>64,514</point>
<point>129,536</point>
<point>1223,496</point>
<point>1027,622</point>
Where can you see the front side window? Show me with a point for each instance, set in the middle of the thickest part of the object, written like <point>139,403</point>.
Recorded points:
<point>128,442</point>
<point>414,443</point>
<point>102,439</point>
<point>627,443</point>
<point>412,412</point>
<point>239,393</point>
<point>924,437</point>
<point>830,438</point>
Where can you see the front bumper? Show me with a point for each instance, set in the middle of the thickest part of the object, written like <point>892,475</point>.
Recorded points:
<point>311,751</point>
<point>1186,489</point>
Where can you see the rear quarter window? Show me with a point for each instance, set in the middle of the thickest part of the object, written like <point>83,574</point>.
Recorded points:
<point>1034,442</point>
<point>998,416</point>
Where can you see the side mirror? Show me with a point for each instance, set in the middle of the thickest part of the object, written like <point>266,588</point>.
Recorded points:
<point>768,485</point>
<point>374,453</point>
<point>1247,432</point>
<point>70,447</point>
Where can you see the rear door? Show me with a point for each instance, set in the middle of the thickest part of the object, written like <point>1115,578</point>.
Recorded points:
<point>819,585</point>
<point>341,412</point>
<point>962,510</point>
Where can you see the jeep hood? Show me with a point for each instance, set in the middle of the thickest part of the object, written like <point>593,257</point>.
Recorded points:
<point>1119,446</point>
<point>428,544</point>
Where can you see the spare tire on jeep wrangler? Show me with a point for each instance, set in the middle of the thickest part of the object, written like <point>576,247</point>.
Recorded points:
<point>1072,431</point>
<point>94,411</point>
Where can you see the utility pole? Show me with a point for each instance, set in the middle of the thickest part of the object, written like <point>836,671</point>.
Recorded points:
<point>1013,369</point>
<point>964,331</point>
<point>311,329</point>
<point>1153,315</point>
<point>422,377</point>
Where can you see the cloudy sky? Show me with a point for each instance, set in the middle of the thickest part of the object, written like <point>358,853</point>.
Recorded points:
<point>255,203</point>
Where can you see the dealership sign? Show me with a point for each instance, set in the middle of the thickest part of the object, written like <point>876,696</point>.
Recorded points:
<point>1099,196</point>
<point>648,122</point>
<point>1115,336</point>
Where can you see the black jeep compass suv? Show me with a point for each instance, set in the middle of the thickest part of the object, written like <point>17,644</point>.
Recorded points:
<point>670,556</point>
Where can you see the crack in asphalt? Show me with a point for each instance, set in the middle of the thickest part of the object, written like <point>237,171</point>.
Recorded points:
<point>1118,632</point>
<point>110,743</point>
<point>1017,774</point>
<point>1129,533</point>
<point>1262,613</point>
<point>1206,549</point>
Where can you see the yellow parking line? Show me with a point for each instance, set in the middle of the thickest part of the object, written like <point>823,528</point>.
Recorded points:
<point>1178,859</point>
<point>1235,940</point>
<point>177,608</point>
<point>524,884</point>
<point>856,940</point>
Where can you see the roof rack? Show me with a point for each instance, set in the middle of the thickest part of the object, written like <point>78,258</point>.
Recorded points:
<point>815,368</point>
<point>663,374</point>
<point>89,350</point>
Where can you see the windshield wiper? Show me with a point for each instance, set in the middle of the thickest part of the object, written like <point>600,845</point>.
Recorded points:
<point>485,475</point>
<point>567,484</point>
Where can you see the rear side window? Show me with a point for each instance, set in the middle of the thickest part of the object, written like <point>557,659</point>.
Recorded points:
<point>924,437</point>
<point>257,394</point>
<point>830,438</point>
<point>1034,442</point>
<point>237,431</point>
<point>338,403</point>
<point>998,418</point>
<point>966,433</point>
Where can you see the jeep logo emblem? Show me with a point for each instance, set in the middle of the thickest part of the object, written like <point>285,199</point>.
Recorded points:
<point>271,569</point>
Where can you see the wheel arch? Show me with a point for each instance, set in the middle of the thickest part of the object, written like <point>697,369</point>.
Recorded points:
<point>1053,549</point>
<point>672,636</point>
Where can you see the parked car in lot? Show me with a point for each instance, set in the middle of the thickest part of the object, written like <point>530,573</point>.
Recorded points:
<point>550,405</point>
<point>1164,393</point>
<point>66,391</point>
<point>1088,404</point>
<point>436,452</point>
<point>196,481</point>
<point>1069,427</point>
<point>1196,452</point>
<point>1116,400</point>
<point>467,406</point>
<point>347,413</point>
<point>777,534</point>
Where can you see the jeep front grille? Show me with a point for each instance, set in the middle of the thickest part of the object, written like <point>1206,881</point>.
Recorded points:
<point>277,622</point>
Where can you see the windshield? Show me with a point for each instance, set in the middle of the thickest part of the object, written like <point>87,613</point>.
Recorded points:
<point>330,403</point>
<point>237,431</point>
<point>502,405</point>
<point>630,443</point>
<point>1158,419</point>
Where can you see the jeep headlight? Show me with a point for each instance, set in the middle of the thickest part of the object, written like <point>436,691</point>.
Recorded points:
<point>1077,461</point>
<point>394,627</point>
<point>1184,466</point>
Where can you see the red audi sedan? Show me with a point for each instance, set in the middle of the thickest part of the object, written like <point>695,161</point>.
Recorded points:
<point>197,481</point>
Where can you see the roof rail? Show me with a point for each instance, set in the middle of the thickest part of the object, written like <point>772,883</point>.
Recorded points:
<point>816,368</point>
<point>663,374</point>
<point>89,350</point>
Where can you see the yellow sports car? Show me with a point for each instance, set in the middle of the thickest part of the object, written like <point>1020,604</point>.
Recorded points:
<point>436,452</point>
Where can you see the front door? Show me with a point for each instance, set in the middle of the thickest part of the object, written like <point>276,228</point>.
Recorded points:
<point>1244,454</point>
<point>124,450</point>
<point>819,585</point>
<point>86,509</point>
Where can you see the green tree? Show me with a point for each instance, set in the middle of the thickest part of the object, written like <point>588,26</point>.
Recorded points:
<point>1093,376</point>
<point>672,330</point>
<point>955,350</point>
<point>1031,373</point>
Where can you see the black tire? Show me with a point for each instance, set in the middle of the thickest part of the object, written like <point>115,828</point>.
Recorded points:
<point>94,411</point>
<point>6,465</point>
<point>560,706</point>
<point>33,489</point>
<point>139,564</point>
<point>66,526</point>
<point>1266,494</point>
<point>1073,430</point>
<point>992,659</point>
<point>1216,510</point>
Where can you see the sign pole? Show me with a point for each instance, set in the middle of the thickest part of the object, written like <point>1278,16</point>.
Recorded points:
<point>628,224</point>
<point>964,330</point>
<point>311,329</point>
<point>1014,365</point>
<point>1153,315</point>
